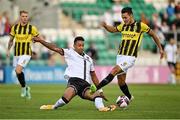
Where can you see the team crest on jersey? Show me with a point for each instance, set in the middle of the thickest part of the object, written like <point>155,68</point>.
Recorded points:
<point>124,64</point>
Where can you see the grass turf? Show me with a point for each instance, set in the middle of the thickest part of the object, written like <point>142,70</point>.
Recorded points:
<point>151,102</point>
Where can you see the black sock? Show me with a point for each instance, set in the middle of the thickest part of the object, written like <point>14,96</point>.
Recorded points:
<point>105,81</point>
<point>125,90</point>
<point>65,100</point>
<point>21,79</point>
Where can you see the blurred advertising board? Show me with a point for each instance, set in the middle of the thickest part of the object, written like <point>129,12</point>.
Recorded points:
<point>38,74</point>
<point>1,75</point>
<point>137,74</point>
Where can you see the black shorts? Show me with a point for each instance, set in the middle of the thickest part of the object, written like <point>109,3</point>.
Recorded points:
<point>79,85</point>
<point>171,65</point>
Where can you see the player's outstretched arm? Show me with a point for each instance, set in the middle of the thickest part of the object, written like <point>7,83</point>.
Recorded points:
<point>157,41</point>
<point>10,43</point>
<point>50,46</point>
<point>109,28</point>
<point>94,78</point>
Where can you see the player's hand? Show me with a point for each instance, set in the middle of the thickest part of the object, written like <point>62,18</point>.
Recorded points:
<point>161,54</point>
<point>8,53</point>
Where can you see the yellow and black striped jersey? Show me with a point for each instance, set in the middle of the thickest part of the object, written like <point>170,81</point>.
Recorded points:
<point>131,37</point>
<point>23,38</point>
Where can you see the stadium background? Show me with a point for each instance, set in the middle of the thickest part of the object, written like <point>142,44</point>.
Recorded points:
<point>60,20</point>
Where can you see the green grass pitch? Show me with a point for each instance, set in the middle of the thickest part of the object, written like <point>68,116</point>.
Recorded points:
<point>151,102</point>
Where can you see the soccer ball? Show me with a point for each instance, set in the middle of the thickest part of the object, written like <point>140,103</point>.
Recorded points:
<point>122,101</point>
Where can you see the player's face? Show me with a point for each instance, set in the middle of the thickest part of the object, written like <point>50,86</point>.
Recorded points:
<point>79,47</point>
<point>172,41</point>
<point>127,18</point>
<point>24,18</point>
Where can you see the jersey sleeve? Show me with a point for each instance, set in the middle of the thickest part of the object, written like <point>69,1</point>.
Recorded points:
<point>34,31</point>
<point>119,27</point>
<point>144,27</point>
<point>12,33</point>
<point>66,52</point>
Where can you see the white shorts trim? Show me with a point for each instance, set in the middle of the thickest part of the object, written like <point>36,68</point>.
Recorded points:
<point>22,60</point>
<point>125,62</point>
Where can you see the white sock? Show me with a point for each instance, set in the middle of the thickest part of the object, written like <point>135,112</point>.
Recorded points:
<point>59,103</point>
<point>99,103</point>
<point>173,79</point>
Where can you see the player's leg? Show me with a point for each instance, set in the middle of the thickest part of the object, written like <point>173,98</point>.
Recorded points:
<point>96,97</point>
<point>70,92</point>
<point>116,70</point>
<point>20,75</point>
<point>98,100</point>
<point>66,98</point>
<point>20,64</point>
<point>21,79</point>
<point>172,68</point>
<point>83,91</point>
<point>123,86</point>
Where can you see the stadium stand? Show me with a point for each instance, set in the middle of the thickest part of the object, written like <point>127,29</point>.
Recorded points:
<point>77,17</point>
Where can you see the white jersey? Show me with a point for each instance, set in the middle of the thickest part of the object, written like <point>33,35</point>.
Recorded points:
<point>78,65</point>
<point>171,52</point>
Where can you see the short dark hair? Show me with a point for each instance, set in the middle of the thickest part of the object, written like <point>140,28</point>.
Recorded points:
<point>127,9</point>
<point>23,11</point>
<point>78,38</point>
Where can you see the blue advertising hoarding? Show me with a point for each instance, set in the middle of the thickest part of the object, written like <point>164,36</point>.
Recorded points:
<point>38,74</point>
<point>1,75</point>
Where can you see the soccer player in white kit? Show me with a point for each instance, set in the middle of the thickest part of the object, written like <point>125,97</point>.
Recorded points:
<point>79,72</point>
<point>171,51</point>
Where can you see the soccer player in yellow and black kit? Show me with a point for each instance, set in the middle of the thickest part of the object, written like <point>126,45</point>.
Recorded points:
<point>22,32</point>
<point>132,33</point>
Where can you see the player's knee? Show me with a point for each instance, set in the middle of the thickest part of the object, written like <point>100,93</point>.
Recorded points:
<point>116,70</point>
<point>18,71</point>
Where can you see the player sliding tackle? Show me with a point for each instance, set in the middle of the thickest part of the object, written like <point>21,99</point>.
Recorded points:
<point>79,71</point>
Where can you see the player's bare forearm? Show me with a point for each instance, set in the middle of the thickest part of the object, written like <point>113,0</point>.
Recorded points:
<point>157,41</point>
<point>10,43</point>
<point>52,47</point>
<point>109,28</point>
<point>94,78</point>
<point>155,38</point>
